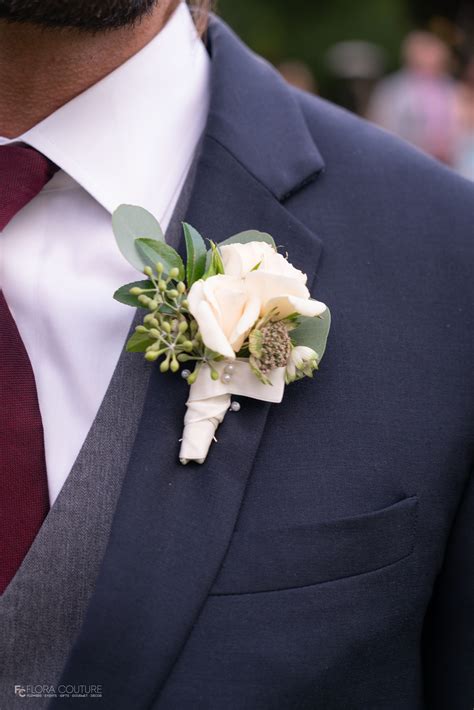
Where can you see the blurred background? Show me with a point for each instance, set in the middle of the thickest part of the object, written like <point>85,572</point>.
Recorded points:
<point>407,65</point>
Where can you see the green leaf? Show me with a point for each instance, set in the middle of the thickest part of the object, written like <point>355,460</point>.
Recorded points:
<point>152,251</point>
<point>129,223</point>
<point>214,262</point>
<point>251,235</point>
<point>313,332</point>
<point>123,294</point>
<point>139,342</point>
<point>196,254</point>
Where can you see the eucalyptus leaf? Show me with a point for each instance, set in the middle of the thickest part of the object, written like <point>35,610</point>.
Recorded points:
<point>251,235</point>
<point>123,294</point>
<point>313,332</point>
<point>139,342</point>
<point>130,223</point>
<point>152,252</point>
<point>196,254</point>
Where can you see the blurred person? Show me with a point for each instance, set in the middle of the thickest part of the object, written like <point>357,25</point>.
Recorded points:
<point>464,155</point>
<point>418,102</point>
<point>322,555</point>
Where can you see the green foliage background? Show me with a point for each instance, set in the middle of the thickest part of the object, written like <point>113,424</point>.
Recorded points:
<point>301,29</point>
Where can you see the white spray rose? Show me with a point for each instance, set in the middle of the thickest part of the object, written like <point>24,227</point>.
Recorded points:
<point>226,307</point>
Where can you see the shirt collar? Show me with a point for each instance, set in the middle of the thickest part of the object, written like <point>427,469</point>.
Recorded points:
<point>131,137</point>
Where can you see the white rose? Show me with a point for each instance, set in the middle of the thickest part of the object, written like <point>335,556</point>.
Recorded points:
<point>224,312</point>
<point>240,259</point>
<point>226,307</point>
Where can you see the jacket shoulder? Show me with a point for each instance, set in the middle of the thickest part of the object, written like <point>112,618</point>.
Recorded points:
<point>387,170</point>
<point>340,133</point>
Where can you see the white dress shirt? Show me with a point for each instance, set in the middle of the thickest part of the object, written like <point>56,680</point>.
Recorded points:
<point>130,139</point>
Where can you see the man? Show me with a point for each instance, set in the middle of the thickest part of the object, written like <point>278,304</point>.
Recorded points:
<point>322,556</point>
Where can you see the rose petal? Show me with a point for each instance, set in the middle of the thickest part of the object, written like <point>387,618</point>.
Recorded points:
<point>287,305</point>
<point>245,324</point>
<point>227,297</point>
<point>266,287</point>
<point>240,259</point>
<point>211,331</point>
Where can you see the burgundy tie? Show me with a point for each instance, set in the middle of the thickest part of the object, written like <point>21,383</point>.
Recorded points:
<point>24,500</point>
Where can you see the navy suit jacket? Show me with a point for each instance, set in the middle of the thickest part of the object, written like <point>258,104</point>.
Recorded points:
<point>322,558</point>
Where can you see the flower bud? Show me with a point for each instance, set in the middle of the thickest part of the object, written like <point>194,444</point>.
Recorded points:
<point>165,366</point>
<point>154,333</point>
<point>152,305</point>
<point>162,285</point>
<point>173,293</point>
<point>135,291</point>
<point>181,287</point>
<point>148,271</point>
<point>141,329</point>
<point>183,326</point>
<point>174,367</point>
<point>166,326</point>
<point>151,320</point>
<point>188,346</point>
<point>160,268</point>
<point>144,300</point>
<point>192,378</point>
<point>214,375</point>
<point>174,273</point>
<point>151,356</point>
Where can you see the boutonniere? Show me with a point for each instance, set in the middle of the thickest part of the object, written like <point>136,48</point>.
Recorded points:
<point>236,319</point>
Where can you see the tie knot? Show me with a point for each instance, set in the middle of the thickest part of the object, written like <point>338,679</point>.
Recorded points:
<point>23,174</point>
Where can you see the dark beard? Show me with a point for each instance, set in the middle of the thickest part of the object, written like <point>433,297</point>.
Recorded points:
<point>94,15</point>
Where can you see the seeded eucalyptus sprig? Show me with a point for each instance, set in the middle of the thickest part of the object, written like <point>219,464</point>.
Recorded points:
<point>168,331</point>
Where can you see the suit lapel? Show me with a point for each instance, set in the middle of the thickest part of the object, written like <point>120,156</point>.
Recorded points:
<point>173,524</point>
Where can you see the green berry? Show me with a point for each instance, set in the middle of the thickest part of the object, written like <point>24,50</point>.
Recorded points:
<point>174,367</point>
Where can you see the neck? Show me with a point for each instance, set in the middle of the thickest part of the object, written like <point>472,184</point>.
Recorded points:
<point>42,69</point>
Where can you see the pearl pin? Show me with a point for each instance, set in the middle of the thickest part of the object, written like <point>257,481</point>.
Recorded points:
<point>229,369</point>
<point>235,406</point>
<point>185,374</point>
<point>226,378</point>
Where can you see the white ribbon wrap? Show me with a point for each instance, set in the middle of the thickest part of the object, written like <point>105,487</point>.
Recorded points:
<point>209,401</point>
